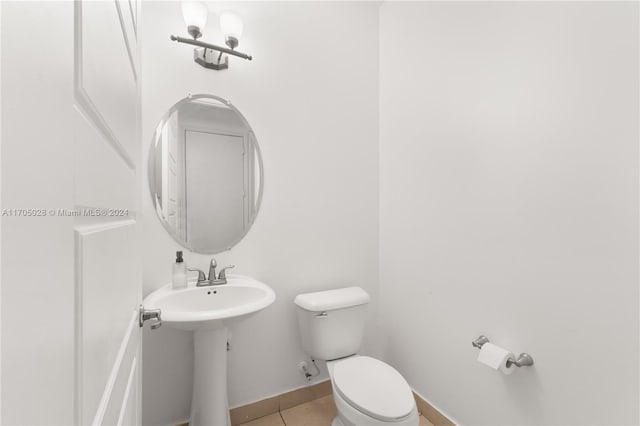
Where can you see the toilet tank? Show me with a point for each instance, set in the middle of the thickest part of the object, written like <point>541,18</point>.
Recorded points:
<point>332,322</point>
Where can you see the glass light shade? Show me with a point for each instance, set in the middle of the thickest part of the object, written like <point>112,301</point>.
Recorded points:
<point>231,25</point>
<point>194,13</point>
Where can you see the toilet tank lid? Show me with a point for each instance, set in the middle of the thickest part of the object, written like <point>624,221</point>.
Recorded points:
<point>332,299</point>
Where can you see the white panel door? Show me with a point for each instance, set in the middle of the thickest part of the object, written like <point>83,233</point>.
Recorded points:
<point>108,284</point>
<point>71,149</point>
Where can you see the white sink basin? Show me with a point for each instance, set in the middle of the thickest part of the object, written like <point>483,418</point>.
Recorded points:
<point>210,307</point>
<point>207,311</point>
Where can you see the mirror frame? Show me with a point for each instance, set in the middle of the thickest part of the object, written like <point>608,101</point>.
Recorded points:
<point>163,120</point>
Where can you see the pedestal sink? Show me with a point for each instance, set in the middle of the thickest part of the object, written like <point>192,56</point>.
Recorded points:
<point>207,311</point>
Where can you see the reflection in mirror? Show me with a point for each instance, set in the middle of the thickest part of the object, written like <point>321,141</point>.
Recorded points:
<point>205,174</point>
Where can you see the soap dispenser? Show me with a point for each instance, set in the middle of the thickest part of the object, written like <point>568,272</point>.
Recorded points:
<point>179,275</point>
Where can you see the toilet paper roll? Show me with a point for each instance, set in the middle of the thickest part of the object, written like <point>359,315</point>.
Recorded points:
<point>496,357</point>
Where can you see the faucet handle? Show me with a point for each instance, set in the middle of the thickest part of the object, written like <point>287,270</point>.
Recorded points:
<point>212,269</point>
<point>223,272</point>
<point>201,276</point>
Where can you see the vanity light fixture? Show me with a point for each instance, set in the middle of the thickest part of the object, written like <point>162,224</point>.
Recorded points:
<point>195,17</point>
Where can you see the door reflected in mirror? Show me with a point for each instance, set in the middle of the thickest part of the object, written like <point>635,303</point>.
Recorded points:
<point>205,174</point>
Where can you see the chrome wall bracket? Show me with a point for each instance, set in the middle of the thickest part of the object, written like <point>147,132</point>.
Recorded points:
<point>211,59</point>
<point>524,360</point>
<point>147,314</point>
<point>479,342</point>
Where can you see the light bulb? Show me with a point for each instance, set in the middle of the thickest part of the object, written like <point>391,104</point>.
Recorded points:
<point>231,26</point>
<point>195,16</point>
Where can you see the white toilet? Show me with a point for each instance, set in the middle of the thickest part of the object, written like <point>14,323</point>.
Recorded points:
<point>366,390</point>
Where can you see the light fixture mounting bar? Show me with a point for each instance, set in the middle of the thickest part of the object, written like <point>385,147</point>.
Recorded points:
<point>211,46</point>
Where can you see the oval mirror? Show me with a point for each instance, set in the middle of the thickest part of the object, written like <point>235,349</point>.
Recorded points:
<point>205,174</point>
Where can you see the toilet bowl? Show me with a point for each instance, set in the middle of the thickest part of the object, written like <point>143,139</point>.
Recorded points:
<point>366,390</point>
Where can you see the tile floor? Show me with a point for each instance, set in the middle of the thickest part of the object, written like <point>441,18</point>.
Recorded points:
<point>319,412</point>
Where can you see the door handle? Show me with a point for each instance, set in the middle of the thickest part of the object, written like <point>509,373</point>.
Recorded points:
<point>147,314</point>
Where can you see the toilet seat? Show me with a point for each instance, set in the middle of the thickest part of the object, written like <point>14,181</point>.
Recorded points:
<point>374,388</point>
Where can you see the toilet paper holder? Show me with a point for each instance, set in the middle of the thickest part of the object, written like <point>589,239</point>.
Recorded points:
<point>524,360</point>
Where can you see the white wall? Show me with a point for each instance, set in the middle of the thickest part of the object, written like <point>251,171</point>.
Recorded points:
<point>0,220</point>
<point>37,172</point>
<point>509,205</point>
<point>310,95</point>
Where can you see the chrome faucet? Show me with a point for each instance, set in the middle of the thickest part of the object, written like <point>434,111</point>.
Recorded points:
<point>220,279</point>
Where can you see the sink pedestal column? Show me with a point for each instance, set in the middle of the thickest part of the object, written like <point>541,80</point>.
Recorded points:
<point>209,404</point>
